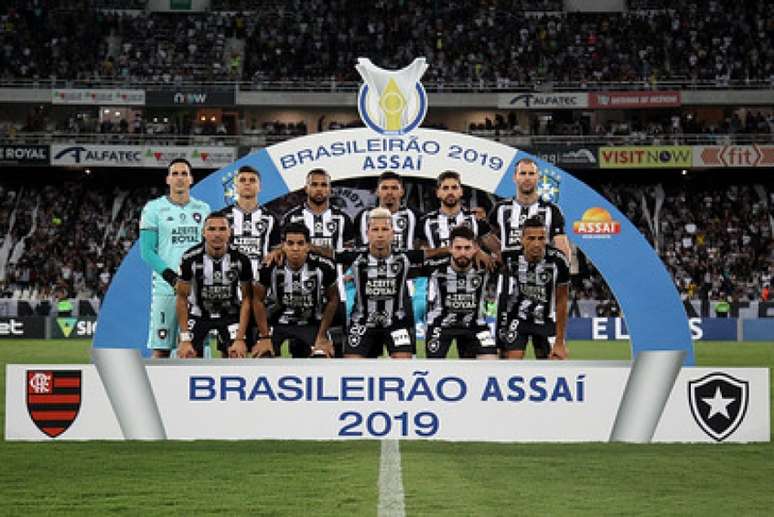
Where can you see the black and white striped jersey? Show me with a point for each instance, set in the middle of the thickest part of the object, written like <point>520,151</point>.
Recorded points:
<point>404,224</point>
<point>215,282</point>
<point>529,293</point>
<point>253,233</point>
<point>380,285</point>
<point>300,296</point>
<point>330,229</point>
<point>436,226</point>
<point>509,216</point>
<point>455,299</point>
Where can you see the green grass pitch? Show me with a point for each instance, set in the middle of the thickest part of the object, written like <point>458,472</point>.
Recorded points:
<point>340,478</point>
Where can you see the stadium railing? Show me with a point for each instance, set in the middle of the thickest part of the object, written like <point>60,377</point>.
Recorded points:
<point>261,138</point>
<point>331,85</point>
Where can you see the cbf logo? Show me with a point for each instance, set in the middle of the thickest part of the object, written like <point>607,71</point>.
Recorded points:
<point>548,187</point>
<point>229,189</point>
<point>392,102</point>
<point>718,403</point>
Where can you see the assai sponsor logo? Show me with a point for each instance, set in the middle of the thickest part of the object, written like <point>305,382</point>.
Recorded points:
<point>718,403</point>
<point>53,399</point>
<point>392,102</point>
<point>596,222</point>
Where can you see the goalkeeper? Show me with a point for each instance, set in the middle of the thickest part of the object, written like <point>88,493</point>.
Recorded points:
<point>169,225</point>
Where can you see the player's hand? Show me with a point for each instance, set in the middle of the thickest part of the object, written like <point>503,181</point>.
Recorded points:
<point>559,351</point>
<point>186,350</point>
<point>238,349</point>
<point>274,257</point>
<point>263,348</point>
<point>170,276</point>
<point>484,261</point>
<point>322,346</point>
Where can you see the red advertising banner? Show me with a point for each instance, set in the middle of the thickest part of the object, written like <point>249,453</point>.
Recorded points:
<point>634,100</point>
<point>733,155</point>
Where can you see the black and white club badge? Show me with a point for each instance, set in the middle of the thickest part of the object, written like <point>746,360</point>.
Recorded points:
<point>332,226</point>
<point>718,403</point>
<point>400,223</point>
<point>197,217</point>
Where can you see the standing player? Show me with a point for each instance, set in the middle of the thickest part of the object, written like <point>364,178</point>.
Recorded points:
<point>389,195</point>
<point>305,295</point>
<point>380,317</point>
<point>329,229</point>
<point>456,301</point>
<point>534,298</point>
<point>509,214</point>
<point>436,226</point>
<point>254,230</point>
<point>169,225</point>
<point>213,293</point>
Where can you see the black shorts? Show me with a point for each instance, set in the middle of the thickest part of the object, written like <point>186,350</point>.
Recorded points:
<point>300,339</point>
<point>367,342</point>
<point>470,342</point>
<point>513,334</point>
<point>200,328</point>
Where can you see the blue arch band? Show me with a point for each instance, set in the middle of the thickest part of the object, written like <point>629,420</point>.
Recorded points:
<point>655,316</point>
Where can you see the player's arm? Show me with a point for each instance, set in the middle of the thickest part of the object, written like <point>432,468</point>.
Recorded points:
<point>182,290</point>
<point>322,342</point>
<point>149,245</point>
<point>492,244</point>
<point>263,346</point>
<point>559,350</point>
<point>562,243</point>
<point>239,347</point>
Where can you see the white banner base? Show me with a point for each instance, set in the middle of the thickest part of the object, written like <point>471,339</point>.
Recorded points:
<point>497,401</point>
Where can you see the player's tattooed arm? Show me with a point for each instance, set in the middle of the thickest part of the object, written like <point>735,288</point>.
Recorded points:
<point>185,349</point>
<point>262,347</point>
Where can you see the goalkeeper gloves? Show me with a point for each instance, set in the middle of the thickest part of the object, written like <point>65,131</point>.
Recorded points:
<point>170,276</point>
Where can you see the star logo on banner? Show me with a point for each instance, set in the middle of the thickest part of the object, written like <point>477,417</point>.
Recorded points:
<point>718,404</point>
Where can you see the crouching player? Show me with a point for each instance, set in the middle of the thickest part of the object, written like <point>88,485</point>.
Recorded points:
<point>213,293</point>
<point>533,302</point>
<point>305,294</point>
<point>455,301</point>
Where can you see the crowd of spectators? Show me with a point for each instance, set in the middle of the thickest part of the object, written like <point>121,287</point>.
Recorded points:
<point>68,239</point>
<point>679,127</point>
<point>38,42</point>
<point>495,41</point>
<point>504,42</point>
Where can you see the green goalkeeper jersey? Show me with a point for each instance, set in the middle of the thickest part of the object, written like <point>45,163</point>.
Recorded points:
<point>177,228</point>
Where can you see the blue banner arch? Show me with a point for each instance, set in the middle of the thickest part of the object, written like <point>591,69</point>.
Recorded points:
<point>654,313</point>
